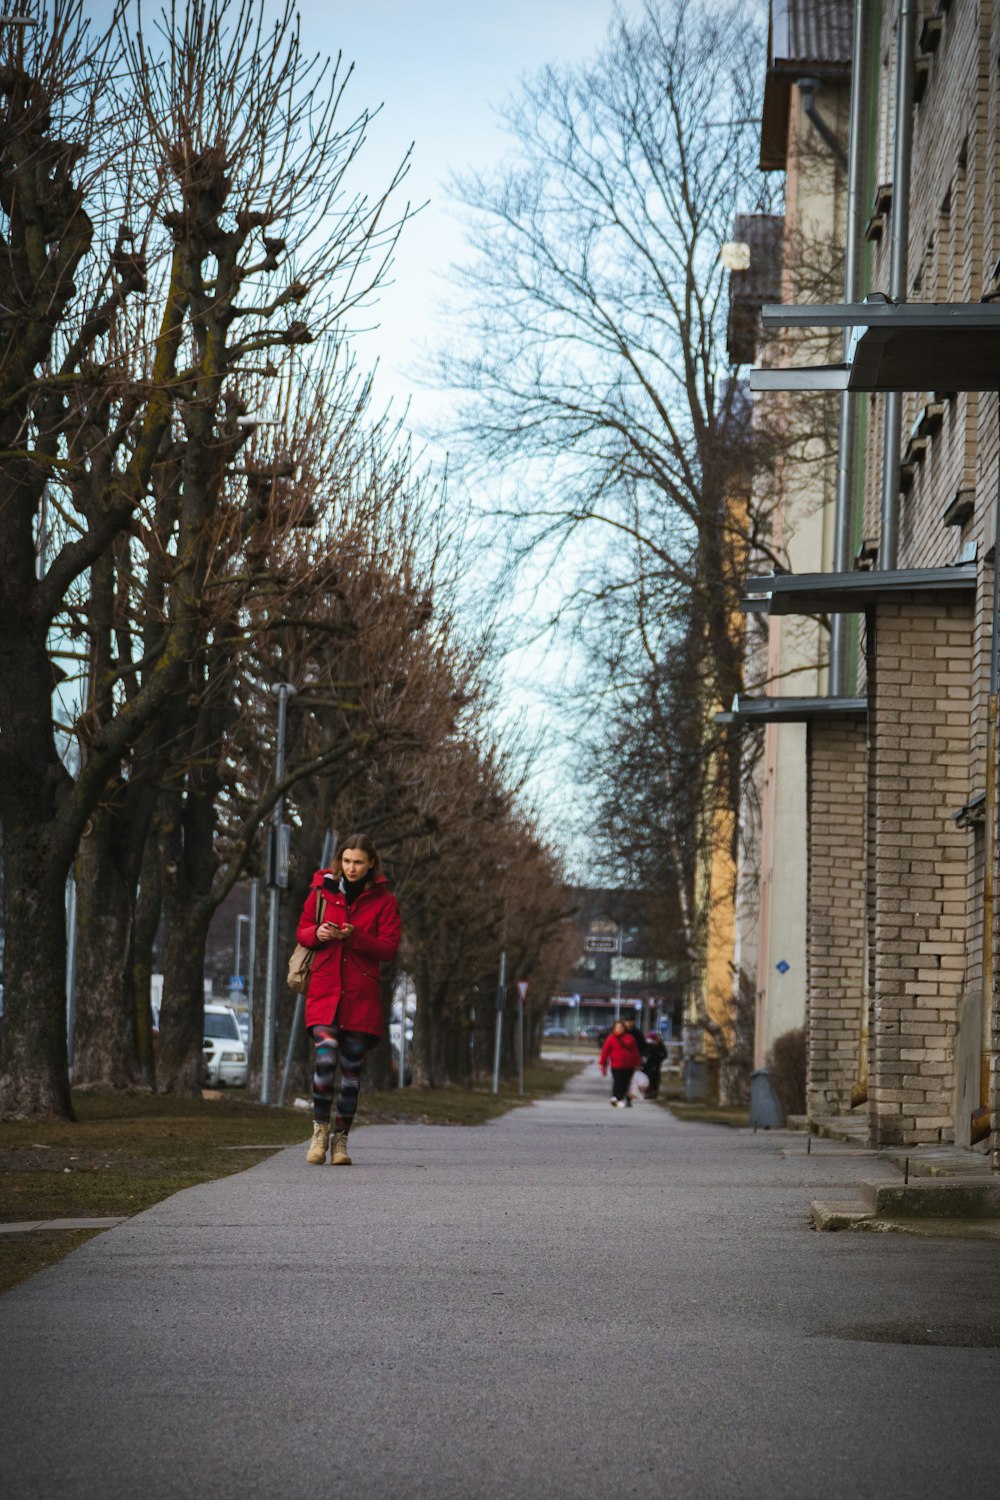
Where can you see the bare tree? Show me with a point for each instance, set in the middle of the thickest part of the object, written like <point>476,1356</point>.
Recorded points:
<point>600,372</point>
<point>228,238</point>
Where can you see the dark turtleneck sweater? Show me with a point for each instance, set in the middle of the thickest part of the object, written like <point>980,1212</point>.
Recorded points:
<point>352,889</point>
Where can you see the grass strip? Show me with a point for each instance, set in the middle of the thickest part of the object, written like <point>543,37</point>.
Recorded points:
<point>126,1152</point>
<point>707,1113</point>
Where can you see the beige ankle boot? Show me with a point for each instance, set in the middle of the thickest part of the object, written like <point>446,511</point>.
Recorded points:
<point>316,1155</point>
<point>340,1157</point>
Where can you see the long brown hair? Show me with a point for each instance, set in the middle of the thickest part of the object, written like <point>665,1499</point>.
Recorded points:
<point>363,842</point>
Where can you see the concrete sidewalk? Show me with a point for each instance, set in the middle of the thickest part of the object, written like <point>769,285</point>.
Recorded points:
<point>572,1301</point>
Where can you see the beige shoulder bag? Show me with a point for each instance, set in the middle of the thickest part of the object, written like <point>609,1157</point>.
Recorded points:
<point>301,962</point>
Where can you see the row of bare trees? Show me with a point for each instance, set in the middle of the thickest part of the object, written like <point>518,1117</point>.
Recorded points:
<point>197,502</point>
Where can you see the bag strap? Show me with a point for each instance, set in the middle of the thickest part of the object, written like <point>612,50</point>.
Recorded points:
<point>320,908</point>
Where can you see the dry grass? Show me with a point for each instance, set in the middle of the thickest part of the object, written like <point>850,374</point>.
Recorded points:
<point>705,1111</point>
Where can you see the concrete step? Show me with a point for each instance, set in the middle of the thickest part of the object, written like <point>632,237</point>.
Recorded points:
<point>854,1215</point>
<point>830,1214</point>
<point>933,1198</point>
<point>939,1161</point>
<point>851,1128</point>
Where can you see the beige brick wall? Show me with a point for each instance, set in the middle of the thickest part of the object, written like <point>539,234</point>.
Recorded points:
<point>836,945</point>
<point>919,727</point>
<point>954,246</point>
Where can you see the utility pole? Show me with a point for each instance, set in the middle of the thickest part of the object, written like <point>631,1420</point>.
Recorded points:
<point>70,966</point>
<point>618,983</point>
<point>277,879</point>
<point>326,859</point>
<point>252,955</point>
<point>501,1006</point>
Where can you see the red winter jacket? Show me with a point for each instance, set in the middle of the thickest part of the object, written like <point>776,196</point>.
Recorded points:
<point>344,984</point>
<point>621,1051</point>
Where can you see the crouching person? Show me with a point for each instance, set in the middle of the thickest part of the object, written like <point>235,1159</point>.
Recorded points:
<point>351,921</point>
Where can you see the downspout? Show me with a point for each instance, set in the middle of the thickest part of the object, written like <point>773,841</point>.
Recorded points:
<point>888,547</point>
<point>808,89</point>
<point>841,678</point>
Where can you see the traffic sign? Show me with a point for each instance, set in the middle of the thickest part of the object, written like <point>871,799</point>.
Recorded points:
<point>598,944</point>
<point>522,989</point>
<point>237,982</point>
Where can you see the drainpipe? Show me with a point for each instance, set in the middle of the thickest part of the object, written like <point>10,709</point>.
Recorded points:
<point>888,547</point>
<point>841,678</point>
<point>809,88</point>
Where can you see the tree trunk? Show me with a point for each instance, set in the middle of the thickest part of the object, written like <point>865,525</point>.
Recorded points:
<point>182,1016</point>
<point>34,1076</point>
<point>105,1055</point>
<point>147,921</point>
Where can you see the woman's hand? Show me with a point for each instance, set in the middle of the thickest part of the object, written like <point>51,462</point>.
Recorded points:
<point>329,932</point>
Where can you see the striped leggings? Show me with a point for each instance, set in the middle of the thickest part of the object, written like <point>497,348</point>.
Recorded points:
<point>350,1047</point>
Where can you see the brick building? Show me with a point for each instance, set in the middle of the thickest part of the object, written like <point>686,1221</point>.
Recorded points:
<point>902,1000</point>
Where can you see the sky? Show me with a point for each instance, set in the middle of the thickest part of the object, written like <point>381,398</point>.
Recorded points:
<point>438,69</point>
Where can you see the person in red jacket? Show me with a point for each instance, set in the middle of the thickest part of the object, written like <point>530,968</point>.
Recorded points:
<point>360,929</point>
<point>622,1051</point>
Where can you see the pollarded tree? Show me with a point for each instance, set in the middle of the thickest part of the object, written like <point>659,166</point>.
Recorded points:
<point>161,204</point>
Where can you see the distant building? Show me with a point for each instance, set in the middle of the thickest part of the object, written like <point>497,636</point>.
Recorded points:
<point>627,958</point>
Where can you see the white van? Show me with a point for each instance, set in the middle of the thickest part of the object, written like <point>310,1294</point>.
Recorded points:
<point>227,1061</point>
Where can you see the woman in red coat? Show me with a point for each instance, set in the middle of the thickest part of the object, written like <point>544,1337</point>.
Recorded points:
<point>621,1050</point>
<point>359,930</point>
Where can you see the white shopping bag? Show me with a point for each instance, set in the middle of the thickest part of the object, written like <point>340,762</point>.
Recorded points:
<point>640,1083</point>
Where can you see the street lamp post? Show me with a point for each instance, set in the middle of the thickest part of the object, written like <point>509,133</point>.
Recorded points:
<point>501,1005</point>
<point>277,878</point>
<point>326,858</point>
<point>239,990</point>
<point>618,983</point>
<point>238,965</point>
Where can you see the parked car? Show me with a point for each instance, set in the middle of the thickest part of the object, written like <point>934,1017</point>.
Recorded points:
<point>555,1031</point>
<point>225,1055</point>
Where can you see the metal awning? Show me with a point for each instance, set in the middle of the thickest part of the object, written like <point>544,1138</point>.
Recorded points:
<point>847,593</point>
<point>747,710</point>
<point>895,346</point>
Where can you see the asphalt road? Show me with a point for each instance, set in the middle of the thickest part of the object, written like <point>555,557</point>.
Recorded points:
<point>571,1302</point>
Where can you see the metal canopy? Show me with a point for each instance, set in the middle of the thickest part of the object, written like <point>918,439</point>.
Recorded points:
<point>844,593</point>
<point>905,346</point>
<point>791,710</point>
